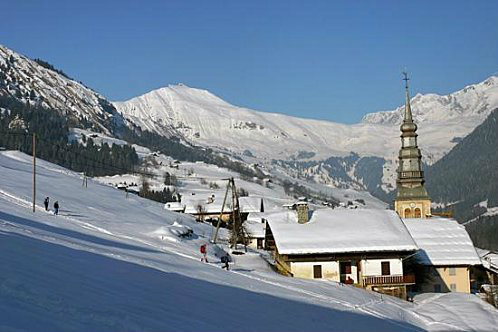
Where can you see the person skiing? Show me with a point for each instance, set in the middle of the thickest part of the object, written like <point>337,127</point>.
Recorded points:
<point>203,250</point>
<point>225,259</point>
<point>45,202</point>
<point>56,208</point>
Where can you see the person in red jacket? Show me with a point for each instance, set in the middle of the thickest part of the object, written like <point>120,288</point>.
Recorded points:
<point>204,253</point>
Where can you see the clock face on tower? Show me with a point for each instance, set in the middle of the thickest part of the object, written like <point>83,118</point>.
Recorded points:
<point>412,205</point>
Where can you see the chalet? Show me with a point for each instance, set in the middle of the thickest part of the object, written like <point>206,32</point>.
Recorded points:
<point>361,247</point>
<point>488,286</point>
<point>255,225</point>
<point>446,251</point>
<point>207,208</point>
<point>489,260</point>
<point>256,233</point>
<point>250,204</point>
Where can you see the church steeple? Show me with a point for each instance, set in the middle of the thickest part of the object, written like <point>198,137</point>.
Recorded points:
<point>412,200</point>
<point>408,110</point>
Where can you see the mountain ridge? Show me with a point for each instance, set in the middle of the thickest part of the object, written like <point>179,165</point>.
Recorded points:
<point>198,124</point>
<point>201,118</point>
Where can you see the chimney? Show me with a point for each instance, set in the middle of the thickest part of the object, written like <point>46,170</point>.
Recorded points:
<point>302,212</point>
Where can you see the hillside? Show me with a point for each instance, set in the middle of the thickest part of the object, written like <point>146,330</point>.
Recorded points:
<point>468,174</point>
<point>113,263</point>
<point>39,83</point>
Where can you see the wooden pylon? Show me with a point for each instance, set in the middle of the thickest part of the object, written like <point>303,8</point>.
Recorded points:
<point>238,233</point>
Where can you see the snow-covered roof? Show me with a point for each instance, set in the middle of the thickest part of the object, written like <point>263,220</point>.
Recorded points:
<point>257,216</point>
<point>255,229</point>
<point>442,241</point>
<point>191,206</point>
<point>174,206</point>
<point>489,259</point>
<point>250,204</point>
<point>340,231</point>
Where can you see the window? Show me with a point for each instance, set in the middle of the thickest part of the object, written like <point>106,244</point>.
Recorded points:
<point>260,244</point>
<point>408,213</point>
<point>437,288</point>
<point>386,268</point>
<point>452,271</point>
<point>453,287</point>
<point>418,214</point>
<point>317,271</point>
<point>345,267</point>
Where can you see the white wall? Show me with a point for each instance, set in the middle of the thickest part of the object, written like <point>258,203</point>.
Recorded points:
<point>354,272</point>
<point>330,270</point>
<point>372,267</point>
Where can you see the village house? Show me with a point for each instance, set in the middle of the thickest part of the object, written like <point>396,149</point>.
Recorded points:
<point>251,204</point>
<point>255,225</point>
<point>446,251</point>
<point>489,260</point>
<point>488,286</point>
<point>255,233</point>
<point>207,208</point>
<point>361,247</point>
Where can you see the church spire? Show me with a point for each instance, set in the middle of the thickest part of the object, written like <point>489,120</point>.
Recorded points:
<point>408,109</point>
<point>408,126</point>
<point>412,200</point>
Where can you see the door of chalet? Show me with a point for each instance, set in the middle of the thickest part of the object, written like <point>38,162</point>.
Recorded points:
<point>345,270</point>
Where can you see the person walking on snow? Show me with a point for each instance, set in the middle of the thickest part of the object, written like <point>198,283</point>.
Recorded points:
<point>56,208</point>
<point>203,250</point>
<point>225,259</point>
<point>45,202</point>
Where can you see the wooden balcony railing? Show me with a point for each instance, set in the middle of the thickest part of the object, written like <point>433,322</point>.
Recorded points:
<point>389,280</point>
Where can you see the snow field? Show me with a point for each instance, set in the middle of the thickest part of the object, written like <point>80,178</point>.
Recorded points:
<point>101,266</point>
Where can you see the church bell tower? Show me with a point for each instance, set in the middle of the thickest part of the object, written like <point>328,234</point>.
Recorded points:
<point>412,200</point>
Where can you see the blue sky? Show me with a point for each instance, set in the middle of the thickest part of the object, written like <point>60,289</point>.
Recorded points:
<point>334,60</point>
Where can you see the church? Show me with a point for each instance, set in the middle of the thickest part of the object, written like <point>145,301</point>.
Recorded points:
<point>368,247</point>
<point>446,251</point>
<point>412,200</point>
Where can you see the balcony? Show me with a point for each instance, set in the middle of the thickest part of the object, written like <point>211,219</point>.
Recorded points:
<point>389,280</point>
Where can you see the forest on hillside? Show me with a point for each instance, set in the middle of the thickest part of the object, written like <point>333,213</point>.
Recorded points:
<point>18,122</point>
<point>468,174</point>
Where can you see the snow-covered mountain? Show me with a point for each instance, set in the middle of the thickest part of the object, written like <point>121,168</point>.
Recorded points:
<point>473,103</point>
<point>30,82</point>
<point>202,118</point>
<point>362,156</point>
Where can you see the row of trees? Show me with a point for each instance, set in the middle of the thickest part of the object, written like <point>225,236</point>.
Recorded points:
<point>18,121</point>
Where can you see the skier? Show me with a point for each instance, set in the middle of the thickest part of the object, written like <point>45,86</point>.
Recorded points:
<point>225,259</point>
<point>203,250</point>
<point>56,208</point>
<point>45,202</point>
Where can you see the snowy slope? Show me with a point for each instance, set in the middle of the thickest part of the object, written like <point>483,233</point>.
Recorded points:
<point>195,182</point>
<point>32,83</point>
<point>203,118</point>
<point>101,265</point>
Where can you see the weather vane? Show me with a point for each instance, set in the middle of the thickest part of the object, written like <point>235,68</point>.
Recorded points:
<point>406,79</point>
